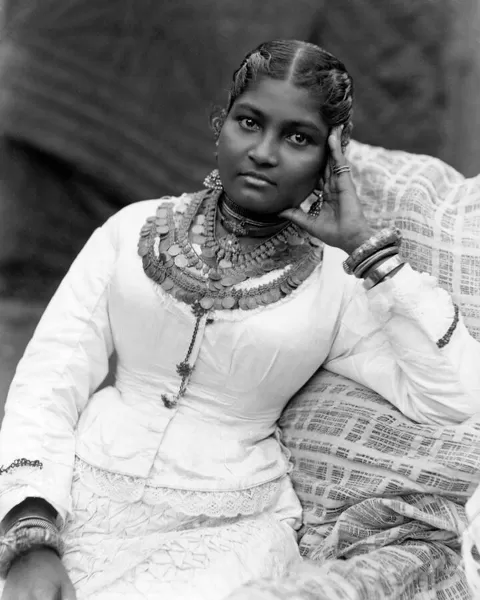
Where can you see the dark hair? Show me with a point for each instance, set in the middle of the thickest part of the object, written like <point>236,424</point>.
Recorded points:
<point>304,65</point>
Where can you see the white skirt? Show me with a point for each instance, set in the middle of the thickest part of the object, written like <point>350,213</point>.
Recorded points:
<point>140,550</point>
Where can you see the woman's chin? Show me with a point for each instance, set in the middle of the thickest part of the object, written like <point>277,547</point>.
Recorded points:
<point>255,200</point>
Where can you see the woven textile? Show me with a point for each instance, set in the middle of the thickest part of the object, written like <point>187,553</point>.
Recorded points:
<point>380,490</point>
<point>438,212</point>
<point>384,497</point>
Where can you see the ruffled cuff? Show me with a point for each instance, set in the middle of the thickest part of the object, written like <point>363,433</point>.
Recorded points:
<point>417,297</point>
<point>37,482</point>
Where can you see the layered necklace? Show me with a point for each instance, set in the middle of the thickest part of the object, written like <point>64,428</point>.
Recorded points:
<point>205,270</point>
<point>239,222</point>
<point>208,278</point>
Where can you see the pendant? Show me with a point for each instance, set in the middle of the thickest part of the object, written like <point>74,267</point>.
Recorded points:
<point>229,242</point>
<point>209,279</point>
<point>235,228</point>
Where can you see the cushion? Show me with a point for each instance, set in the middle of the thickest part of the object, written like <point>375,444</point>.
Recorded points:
<point>438,212</point>
<point>378,489</point>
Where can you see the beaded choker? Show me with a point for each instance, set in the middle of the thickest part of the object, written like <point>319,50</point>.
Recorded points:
<point>243,214</point>
<point>245,226</point>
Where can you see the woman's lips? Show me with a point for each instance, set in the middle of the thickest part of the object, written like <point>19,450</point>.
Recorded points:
<point>257,180</point>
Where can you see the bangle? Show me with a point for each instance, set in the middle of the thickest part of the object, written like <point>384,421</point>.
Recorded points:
<point>368,263</point>
<point>385,237</point>
<point>33,521</point>
<point>376,275</point>
<point>21,540</point>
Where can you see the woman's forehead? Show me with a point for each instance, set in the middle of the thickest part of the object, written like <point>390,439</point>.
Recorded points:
<point>282,101</point>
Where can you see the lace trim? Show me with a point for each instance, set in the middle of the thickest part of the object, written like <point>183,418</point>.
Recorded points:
<point>188,502</point>
<point>19,463</point>
<point>215,504</point>
<point>105,483</point>
<point>20,474</point>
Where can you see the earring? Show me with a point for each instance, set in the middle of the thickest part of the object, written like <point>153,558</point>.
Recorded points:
<point>316,207</point>
<point>213,181</point>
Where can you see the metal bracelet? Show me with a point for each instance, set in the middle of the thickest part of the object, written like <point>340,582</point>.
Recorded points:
<point>383,238</point>
<point>33,521</point>
<point>22,540</point>
<point>371,261</point>
<point>377,275</point>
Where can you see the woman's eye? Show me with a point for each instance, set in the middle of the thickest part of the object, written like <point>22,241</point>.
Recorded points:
<point>248,123</point>
<point>299,139</point>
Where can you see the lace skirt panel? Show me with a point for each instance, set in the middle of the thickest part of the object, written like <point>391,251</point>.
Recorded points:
<point>173,544</point>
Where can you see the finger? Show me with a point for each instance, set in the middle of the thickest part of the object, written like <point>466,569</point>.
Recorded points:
<point>300,218</point>
<point>328,170</point>
<point>327,184</point>
<point>335,145</point>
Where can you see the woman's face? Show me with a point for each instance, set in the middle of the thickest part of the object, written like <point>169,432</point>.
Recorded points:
<point>272,147</point>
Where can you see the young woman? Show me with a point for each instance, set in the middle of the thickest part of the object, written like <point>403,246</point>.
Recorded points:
<point>173,482</point>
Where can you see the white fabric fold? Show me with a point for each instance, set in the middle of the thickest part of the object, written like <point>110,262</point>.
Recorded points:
<point>222,435</point>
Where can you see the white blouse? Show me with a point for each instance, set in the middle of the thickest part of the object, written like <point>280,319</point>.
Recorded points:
<point>222,435</point>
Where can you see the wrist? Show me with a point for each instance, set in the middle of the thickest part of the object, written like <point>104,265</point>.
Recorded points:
<point>30,507</point>
<point>356,240</point>
<point>30,542</point>
<point>383,271</point>
<point>34,554</point>
<point>375,266</point>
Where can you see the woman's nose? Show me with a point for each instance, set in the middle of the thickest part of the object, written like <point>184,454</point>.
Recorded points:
<point>264,152</point>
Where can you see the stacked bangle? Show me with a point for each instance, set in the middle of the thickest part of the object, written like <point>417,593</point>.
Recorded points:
<point>386,237</point>
<point>371,261</point>
<point>34,521</point>
<point>28,533</point>
<point>375,276</point>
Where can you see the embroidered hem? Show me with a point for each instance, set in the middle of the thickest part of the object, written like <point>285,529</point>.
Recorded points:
<point>217,504</point>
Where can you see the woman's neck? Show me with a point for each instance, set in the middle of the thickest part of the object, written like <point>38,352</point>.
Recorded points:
<point>243,214</point>
<point>246,224</point>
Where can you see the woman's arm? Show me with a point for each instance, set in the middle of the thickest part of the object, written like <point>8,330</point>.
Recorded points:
<point>64,363</point>
<point>402,339</point>
<point>29,507</point>
<point>391,338</point>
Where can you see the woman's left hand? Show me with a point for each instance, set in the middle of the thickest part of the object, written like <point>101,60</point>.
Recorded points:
<point>341,222</point>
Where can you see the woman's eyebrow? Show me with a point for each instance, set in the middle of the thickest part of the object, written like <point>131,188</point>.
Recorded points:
<point>293,123</point>
<point>250,107</point>
<point>306,123</point>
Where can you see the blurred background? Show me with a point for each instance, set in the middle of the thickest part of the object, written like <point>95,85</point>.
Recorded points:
<point>104,103</point>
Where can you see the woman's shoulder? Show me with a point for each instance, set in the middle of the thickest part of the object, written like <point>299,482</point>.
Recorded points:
<point>146,208</point>
<point>129,220</point>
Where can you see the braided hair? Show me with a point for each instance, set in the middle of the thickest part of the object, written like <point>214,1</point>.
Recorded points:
<point>304,65</point>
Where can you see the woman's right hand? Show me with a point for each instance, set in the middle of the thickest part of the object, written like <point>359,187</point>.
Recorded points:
<point>39,575</point>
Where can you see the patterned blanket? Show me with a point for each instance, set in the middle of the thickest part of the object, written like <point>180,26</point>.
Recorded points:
<point>384,497</point>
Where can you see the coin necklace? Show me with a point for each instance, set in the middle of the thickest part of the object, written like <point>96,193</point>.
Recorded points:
<point>208,280</point>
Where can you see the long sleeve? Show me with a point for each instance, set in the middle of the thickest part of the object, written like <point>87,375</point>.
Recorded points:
<point>65,361</point>
<point>387,340</point>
